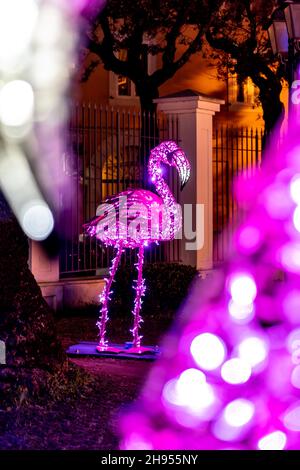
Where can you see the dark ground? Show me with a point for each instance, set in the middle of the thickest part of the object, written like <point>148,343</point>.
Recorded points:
<point>88,422</point>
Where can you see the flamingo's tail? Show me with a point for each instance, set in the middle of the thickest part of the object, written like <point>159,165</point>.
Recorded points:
<point>90,226</point>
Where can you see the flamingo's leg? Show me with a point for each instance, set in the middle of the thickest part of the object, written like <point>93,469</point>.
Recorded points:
<point>140,291</point>
<point>104,299</point>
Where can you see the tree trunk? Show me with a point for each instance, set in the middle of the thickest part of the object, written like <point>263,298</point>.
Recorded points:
<point>273,114</point>
<point>149,125</point>
<point>33,352</point>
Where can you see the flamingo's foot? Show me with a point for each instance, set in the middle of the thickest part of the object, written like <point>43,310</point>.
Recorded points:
<point>108,349</point>
<point>139,350</point>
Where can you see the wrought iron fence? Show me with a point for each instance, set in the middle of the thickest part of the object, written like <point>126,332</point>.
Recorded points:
<point>235,152</point>
<point>107,153</point>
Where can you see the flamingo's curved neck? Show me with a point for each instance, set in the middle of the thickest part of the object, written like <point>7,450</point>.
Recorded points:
<point>162,188</point>
<point>172,217</point>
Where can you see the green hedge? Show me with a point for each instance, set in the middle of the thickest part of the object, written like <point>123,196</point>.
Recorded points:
<point>167,286</point>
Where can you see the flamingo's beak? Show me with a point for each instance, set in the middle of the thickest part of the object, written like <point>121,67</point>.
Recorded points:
<point>183,167</point>
<point>182,186</point>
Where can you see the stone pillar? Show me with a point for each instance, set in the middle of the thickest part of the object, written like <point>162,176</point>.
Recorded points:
<point>46,273</point>
<point>43,268</point>
<point>195,124</point>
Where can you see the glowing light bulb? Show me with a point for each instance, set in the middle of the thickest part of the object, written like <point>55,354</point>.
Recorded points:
<point>249,239</point>
<point>236,371</point>
<point>37,220</point>
<point>208,351</point>
<point>242,289</point>
<point>235,420</point>
<point>188,378</point>
<point>241,313</point>
<point>295,377</point>
<point>295,189</point>
<point>291,418</point>
<point>291,306</point>
<point>277,202</point>
<point>289,256</point>
<point>16,103</point>
<point>239,412</point>
<point>253,350</point>
<point>190,391</point>
<point>274,441</point>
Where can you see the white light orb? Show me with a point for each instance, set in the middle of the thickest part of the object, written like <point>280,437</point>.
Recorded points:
<point>295,377</point>
<point>37,221</point>
<point>239,412</point>
<point>242,289</point>
<point>235,421</point>
<point>16,103</point>
<point>293,341</point>
<point>295,189</point>
<point>291,418</point>
<point>236,371</point>
<point>249,238</point>
<point>189,379</point>
<point>190,391</point>
<point>241,313</point>
<point>253,350</point>
<point>291,306</point>
<point>208,351</point>
<point>274,441</point>
<point>289,257</point>
<point>296,218</point>
<point>277,201</point>
<point>17,23</point>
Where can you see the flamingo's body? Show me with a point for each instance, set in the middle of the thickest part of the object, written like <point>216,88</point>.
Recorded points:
<point>133,219</point>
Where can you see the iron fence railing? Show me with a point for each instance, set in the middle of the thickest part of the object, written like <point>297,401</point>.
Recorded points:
<point>107,153</point>
<point>235,152</point>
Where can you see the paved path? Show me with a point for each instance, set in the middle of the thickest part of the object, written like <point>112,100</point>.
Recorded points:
<point>119,367</point>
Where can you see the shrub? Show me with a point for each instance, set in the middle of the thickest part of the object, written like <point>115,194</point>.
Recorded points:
<point>167,285</point>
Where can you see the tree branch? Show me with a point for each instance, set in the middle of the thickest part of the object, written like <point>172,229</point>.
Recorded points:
<point>168,70</point>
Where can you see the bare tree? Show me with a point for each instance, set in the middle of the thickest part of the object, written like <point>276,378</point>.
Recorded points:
<point>173,30</point>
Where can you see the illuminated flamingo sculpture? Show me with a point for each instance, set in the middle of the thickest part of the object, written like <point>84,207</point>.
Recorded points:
<point>133,219</point>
